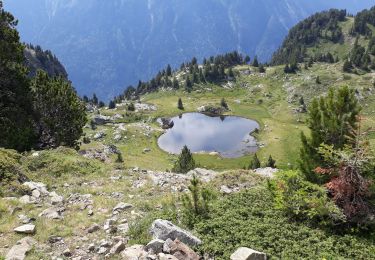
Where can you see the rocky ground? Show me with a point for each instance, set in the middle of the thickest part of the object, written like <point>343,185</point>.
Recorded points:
<point>99,220</point>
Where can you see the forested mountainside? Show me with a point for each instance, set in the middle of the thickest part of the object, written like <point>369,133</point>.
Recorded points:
<point>331,35</point>
<point>39,59</point>
<point>108,45</point>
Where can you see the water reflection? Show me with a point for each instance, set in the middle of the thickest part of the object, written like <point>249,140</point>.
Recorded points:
<point>227,135</point>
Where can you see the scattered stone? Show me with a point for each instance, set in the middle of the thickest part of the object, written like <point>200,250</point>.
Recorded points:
<point>166,257</point>
<point>95,227</point>
<point>20,249</point>
<point>99,135</point>
<point>266,172</point>
<point>67,252</point>
<point>41,187</point>
<point>25,219</point>
<point>122,206</point>
<point>163,229</point>
<point>52,213</point>
<point>225,189</point>
<point>54,239</point>
<point>181,251</point>
<point>124,228</point>
<point>146,150</point>
<point>91,247</point>
<point>109,223</point>
<point>116,249</point>
<point>26,199</point>
<point>35,194</point>
<point>101,120</point>
<point>155,246</point>
<point>25,229</point>
<point>244,253</point>
<point>134,252</point>
<point>117,137</point>
<point>90,213</point>
<point>56,199</point>
<point>102,250</point>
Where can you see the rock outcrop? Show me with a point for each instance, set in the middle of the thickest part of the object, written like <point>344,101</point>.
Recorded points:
<point>244,253</point>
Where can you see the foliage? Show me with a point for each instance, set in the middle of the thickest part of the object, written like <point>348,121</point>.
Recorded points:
<point>348,184</point>
<point>196,204</point>
<point>255,62</point>
<point>16,122</point>
<point>11,172</point>
<point>362,20</point>
<point>111,105</point>
<point>255,163</point>
<point>249,219</point>
<point>185,161</point>
<point>323,25</point>
<point>180,105</point>
<point>303,200</point>
<point>61,114</point>
<point>61,161</point>
<point>39,59</point>
<point>271,162</point>
<point>332,120</point>
<point>224,104</point>
<point>131,107</point>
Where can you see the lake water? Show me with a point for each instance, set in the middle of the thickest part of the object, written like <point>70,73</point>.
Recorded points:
<point>229,135</point>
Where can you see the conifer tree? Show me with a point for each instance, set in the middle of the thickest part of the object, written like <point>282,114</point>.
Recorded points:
<point>175,84</point>
<point>317,80</point>
<point>179,104</point>
<point>131,107</point>
<point>111,105</point>
<point>261,69</point>
<point>332,121</point>
<point>255,62</point>
<point>271,162</point>
<point>95,99</point>
<point>255,163</point>
<point>185,161</point>
<point>188,85</point>
<point>60,112</point>
<point>247,59</point>
<point>16,114</point>
<point>169,71</point>
<point>101,104</point>
<point>224,104</point>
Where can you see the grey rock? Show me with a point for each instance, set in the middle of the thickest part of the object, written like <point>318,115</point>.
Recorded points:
<point>124,228</point>
<point>99,135</point>
<point>93,228</point>
<point>155,246</point>
<point>20,249</point>
<point>52,213</point>
<point>25,229</point>
<point>122,206</point>
<point>35,194</point>
<point>134,253</point>
<point>116,249</point>
<point>55,198</point>
<point>102,250</point>
<point>244,253</point>
<point>41,187</point>
<point>163,229</point>
<point>166,257</point>
<point>26,199</point>
<point>67,252</point>
<point>91,247</point>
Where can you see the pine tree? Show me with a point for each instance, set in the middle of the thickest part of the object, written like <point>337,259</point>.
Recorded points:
<point>347,67</point>
<point>180,105</point>
<point>317,80</point>
<point>224,104</point>
<point>16,113</point>
<point>94,99</point>
<point>111,105</point>
<point>119,158</point>
<point>101,104</point>
<point>188,85</point>
<point>175,84</point>
<point>169,71</point>
<point>271,162</point>
<point>60,112</point>
<point>261,69</point>
<point>247,59</point>
<point>255,163</point>
<point>131,107</point>
<point>255,62</point>
<point>185,161</point>
<point>332,120</point>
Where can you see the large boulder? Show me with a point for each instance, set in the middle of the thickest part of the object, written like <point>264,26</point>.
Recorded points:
<point>155,246</point>
<point>20,249</point>
<point>101,120</point>
<point>244,253</point>
<point>163,229</point>
<point>25,229</point>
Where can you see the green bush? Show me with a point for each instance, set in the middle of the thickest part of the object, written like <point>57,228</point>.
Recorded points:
<point>303,200</point>
<point>62,161</point>
<point>250,219</point>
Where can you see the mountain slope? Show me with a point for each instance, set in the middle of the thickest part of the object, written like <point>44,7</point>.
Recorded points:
<point>38,59</point>
<point>107,45</point>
